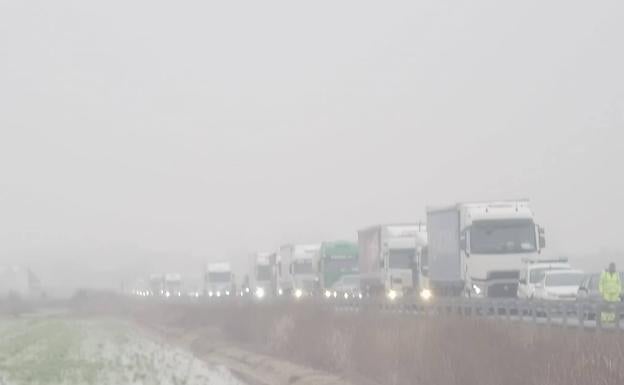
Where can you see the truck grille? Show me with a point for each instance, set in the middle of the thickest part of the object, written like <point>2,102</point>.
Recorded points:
<point>503,290</point>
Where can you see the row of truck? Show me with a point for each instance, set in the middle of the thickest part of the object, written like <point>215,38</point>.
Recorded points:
<point>466,249</point>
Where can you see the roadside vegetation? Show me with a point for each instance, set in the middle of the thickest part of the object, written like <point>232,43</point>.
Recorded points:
<point>391,349</point>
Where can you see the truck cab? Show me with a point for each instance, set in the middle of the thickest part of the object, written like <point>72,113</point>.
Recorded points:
<point>477,249</point>
<point>496,237</point>
<point>532,272</point>
<point>219,280</point>
<point>387,256</point>
<point>173,285</point>
<point>299,269</point>
<point>336,260</point>
<point>262,280</point>
<point>156,285</point>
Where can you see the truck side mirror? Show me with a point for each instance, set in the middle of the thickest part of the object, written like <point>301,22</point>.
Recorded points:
<point>542,237</point>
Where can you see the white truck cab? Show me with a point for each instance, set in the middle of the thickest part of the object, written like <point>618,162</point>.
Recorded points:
<point>299,270</point>
<point>388,255</point>
<point>476,249</point>
<point>263,275</point>
<point>532,272</point>
<point>219,280</point>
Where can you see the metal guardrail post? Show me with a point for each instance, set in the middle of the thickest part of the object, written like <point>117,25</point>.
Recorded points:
<point>548,310</point>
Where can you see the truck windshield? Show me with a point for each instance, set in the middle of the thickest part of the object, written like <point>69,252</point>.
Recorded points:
<point>264,273</point>
<point>565,279</point>
<point>502,236</point>
<point>221,276</point>
<point>303,267</point>
<point>401,258</point>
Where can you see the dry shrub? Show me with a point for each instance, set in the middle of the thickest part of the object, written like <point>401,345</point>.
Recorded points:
<point>394,349</point>
<point>391,349</point>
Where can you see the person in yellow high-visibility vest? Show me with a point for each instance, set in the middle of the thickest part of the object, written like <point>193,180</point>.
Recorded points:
<point>610,288</point>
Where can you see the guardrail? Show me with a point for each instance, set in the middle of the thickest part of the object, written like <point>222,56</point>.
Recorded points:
<point>581,314</point>
<point>572,314</point>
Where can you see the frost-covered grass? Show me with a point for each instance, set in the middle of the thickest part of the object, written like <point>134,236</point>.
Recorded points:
<point>102,352</point>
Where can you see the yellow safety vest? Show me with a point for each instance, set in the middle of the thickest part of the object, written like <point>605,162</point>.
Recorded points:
<point>610,286</point>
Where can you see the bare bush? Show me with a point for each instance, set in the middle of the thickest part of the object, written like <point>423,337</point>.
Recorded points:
<point>392,349</point>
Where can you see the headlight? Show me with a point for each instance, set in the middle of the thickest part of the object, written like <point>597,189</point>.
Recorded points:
<point>280,291</point>
<point>260,292</point>
<point>335,294</point>
<point>328,293</point>
<point>246,290</point>
<point>210,293</point>
<point>392,294</point>
<point>167,294</point>
<point>360,295</point>
<point>218,293</point>
<point>426,294</point>
<point>346,295</point>
<point>298,293</point>
<point>227,292</point>
<point>477,290</point>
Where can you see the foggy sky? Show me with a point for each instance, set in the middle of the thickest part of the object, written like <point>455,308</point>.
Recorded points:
<point>171,133</point>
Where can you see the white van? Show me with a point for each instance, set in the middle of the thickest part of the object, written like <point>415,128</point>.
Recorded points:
<point>559,285</point>
<point>532,272</point>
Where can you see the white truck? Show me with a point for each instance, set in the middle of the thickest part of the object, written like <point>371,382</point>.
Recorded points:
<point>476,249</point>
<point>388,255</point>
<point>263,274</point>
<point>156,284</point>
<point>298,270</point>
<point>219,280</point>
<point>173,285</point>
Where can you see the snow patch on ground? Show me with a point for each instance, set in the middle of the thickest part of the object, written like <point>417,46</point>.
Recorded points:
<point>99,352</point>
